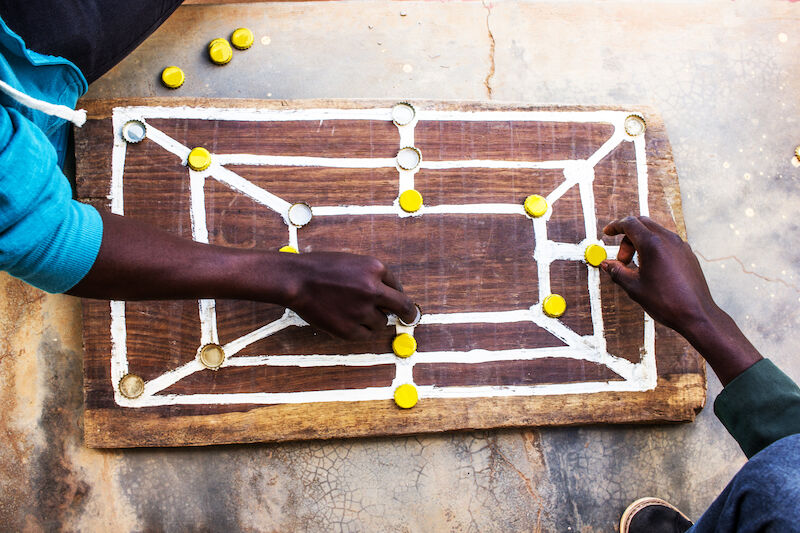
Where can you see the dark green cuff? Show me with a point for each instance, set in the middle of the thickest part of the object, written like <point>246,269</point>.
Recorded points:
<point>760,406</point>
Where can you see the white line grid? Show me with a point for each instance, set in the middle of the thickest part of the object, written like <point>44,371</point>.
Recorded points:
<point>579,173</point>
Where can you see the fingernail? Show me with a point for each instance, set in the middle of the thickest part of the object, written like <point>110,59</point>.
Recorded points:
<point>604,266</point>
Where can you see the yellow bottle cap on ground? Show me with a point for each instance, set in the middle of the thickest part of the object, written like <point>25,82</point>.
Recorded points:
<point>404,345</point>
<point>406,396</point>
<point>595,254</point>
<point>535,205</point>
<point>199,159</point>
<point>288,249</point>
<point>242,38</point>
<point>554,305</point>
<point>172,77</point>
<point>220,51</point>
<point>797,153</point>
<point>410,200</point>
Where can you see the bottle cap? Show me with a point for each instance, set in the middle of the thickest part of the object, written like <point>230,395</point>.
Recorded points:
<point>242,38</point>
<point>413,322</point>
<point>535,205</point>
<point>595,254</point>
<point>288,249</point>
<point>403,114</point>
<point>199,159</point>
<point>406,396</point>
<point>409,158</point>
<point>220,51</point>
<point>134,131</point>
<point>211,356</point>
<point>797,153</point>
<point>635,125</point>
<point>410,200</point>
<point>300,214</point>
<point>404,345</point>
<point>554,305</point>
<point>131,386</point>
<point>172,77</point>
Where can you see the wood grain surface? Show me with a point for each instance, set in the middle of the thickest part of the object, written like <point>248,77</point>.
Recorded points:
<point>447,263</point>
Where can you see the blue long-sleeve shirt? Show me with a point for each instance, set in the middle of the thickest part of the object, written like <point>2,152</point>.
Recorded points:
<point>46,238</point>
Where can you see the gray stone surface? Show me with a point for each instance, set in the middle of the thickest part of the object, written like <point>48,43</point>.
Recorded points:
<point>725,78</point>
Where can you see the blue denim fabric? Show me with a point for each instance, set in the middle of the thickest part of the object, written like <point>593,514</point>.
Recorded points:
<point>764,496</point>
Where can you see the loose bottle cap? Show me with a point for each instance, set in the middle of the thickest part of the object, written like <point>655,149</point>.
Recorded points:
<point>535,205</point>
<point>242,38</point>
<point>410,200</point>
<point>212,356</point>
<point>131,386</point>
<point>406,396</point>
<point>172,77</point>
<point>797,153</point>
<point>134,131</point>
<point>635,125</point>
<point>554,305</point>
<point>403,114</point>
<point>409,158</point>
<point>220,51</point>
<point>404,345</point>
<point>288,249</point>
<point>300,214</point>
<point>199,159</point>
<point>595,254</point>
<point>414,322</point>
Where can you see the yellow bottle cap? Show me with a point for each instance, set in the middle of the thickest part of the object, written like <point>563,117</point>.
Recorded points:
<point>220,51</point>
<point>172,77</point>
<point>199,159</point>
<point>288,249</point>
<point>212,356</point>
<point>535,205</point>
<point>406,396</point>
<point>410,200</point>
<point>554,305</point>
<point>595,254</point>
<point>404,345</point>
<point>131,386</point>
<point>242,38</point>
<point>797,153</point>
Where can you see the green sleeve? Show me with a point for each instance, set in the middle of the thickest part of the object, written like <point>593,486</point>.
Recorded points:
<point>760,406</point>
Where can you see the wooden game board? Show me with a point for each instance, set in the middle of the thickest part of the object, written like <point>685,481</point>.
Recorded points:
<point>477,265</point>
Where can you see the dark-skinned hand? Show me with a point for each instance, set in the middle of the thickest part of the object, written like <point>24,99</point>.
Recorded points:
<point>347,295</point>
<point>669,284</point>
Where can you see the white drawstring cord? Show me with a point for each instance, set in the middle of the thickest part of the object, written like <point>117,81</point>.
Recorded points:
<point>76,116</point>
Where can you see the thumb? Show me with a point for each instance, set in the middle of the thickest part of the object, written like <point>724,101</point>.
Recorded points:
<point>622,275</point>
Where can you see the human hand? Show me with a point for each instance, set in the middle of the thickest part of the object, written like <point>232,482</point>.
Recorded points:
<point>345,294</point>
<point>668,282</point>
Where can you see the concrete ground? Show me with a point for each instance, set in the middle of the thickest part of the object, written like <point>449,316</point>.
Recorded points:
<point>725,77</point>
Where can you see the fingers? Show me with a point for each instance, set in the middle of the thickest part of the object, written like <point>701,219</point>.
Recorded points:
<point>398,303</point>
<point>376,321</point>
<point>631,227</point>
<point>626,251</point>
<point>622,275</point>
<point>389,279</point>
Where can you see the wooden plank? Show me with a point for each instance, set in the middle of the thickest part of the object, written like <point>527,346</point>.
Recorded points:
<point>451,263</point>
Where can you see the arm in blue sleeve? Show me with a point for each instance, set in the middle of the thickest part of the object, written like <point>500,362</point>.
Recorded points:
<point>46,238</point>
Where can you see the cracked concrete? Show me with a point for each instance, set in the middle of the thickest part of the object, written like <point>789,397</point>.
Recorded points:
<point>725,78</point>
<point>489,75</point>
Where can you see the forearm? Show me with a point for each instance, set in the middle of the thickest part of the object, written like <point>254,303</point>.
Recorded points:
<point>138,261</point>
<point>720,341</point>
